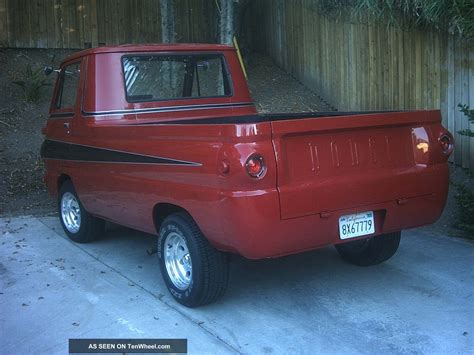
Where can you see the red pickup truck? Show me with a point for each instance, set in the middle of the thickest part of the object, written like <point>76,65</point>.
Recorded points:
<point>165,139</point>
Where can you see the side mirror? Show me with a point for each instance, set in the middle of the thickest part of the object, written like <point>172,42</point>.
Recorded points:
<point>49,69</point>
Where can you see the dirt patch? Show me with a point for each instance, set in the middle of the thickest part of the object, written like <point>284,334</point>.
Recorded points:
<point>21,168</point>
<point>274,90</point>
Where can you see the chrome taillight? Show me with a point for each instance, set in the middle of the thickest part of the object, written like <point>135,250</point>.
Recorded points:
<point>255,166</point>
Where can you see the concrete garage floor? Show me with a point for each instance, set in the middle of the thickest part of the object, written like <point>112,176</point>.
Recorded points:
<point>421,301</point>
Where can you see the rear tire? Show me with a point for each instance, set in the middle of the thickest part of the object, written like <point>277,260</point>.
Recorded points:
<point>370,251</point>
<point>78,224</point>
<point>194,272</point>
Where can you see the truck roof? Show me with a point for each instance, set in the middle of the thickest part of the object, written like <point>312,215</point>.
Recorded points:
<point>151,47</point>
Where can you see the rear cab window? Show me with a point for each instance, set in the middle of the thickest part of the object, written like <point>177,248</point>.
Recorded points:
<point>158,77</point>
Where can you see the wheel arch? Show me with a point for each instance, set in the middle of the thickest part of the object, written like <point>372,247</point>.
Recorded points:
<point>162,210</point>
<point>61,179</point>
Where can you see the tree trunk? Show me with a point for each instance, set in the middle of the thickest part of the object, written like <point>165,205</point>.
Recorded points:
<point>167,21</point>
<point>226,23</point>
<point>168,76</point>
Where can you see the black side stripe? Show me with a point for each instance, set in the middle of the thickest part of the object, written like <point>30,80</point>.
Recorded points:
<point>57,150</point>
<point>258,118</point>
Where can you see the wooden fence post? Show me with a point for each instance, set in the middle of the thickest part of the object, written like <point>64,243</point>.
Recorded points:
<point>4,26</point>
<point>93,21</point>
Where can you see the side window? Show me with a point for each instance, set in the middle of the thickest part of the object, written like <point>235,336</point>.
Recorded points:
<point>69,83</point>
<point>165,77</point>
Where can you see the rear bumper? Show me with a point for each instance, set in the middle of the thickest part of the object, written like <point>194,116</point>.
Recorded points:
<point>250,223</point>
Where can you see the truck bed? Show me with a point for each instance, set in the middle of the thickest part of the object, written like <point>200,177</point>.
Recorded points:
<point>329,161</point>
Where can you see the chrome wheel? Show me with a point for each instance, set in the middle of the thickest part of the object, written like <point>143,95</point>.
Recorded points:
<point>177,260</point>
<point>70,212</point>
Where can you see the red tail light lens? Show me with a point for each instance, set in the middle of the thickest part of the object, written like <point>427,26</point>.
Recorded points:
<point>446,142</point>
<point>255,166</point>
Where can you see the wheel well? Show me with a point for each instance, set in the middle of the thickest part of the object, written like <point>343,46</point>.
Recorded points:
<point>163,210</point>
<point>61,179</point>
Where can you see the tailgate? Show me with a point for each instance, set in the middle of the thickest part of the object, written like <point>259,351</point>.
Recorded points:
<point>332,163</point>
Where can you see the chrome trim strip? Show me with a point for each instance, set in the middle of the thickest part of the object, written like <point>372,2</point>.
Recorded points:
<point>166,109</point>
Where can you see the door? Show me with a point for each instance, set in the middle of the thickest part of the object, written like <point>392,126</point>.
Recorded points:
<point>63,107</point>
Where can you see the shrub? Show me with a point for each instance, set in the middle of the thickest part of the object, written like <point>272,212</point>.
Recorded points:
<point>470,116</point>
<point>33,84</point>
<point>447,16</point>
<point>465,195</point>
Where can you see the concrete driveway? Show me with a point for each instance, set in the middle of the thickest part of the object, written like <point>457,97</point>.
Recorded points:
<point>420,301</point>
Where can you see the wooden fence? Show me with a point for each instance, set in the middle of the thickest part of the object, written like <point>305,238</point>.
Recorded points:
<point>86,23</point>
<point>356,66</point>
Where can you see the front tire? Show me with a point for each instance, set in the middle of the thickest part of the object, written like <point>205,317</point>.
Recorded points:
<point>78,224</point>
<point>194,272</point>
<point>370,251</point>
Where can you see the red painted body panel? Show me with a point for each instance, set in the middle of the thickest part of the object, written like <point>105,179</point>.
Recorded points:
<point>317,168</point>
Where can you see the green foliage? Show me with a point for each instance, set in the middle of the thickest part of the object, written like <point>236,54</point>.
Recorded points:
<point>465,195</point>
<point>33,83</point>
<point>465,199</point>
<point>452,16</point>
<point>470,116</point>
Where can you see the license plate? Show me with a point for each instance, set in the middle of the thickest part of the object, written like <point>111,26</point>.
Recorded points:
<point>356,225</point>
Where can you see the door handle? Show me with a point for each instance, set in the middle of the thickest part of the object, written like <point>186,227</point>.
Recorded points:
<point>66,125</point>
